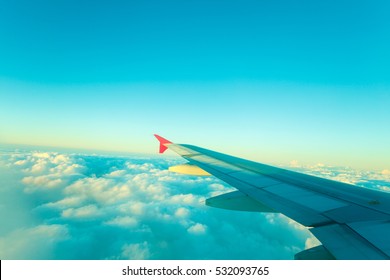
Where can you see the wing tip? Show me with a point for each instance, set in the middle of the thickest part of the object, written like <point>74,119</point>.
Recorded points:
<point>163,142</point>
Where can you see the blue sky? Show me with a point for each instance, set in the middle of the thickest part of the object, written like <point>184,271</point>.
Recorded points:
<point>273,81</point>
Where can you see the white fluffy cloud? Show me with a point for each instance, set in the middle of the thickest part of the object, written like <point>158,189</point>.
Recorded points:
<point>138,251</point>
<point>133,208</point>
<point>197,229</point>
<point>125,221</point>
<point>386,172</point>
<point>85,212</point>
<point>37,242</point>
<point>365,178</point>
<point>182,212</point>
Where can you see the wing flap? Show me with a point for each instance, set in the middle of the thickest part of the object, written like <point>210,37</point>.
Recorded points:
<point>354,213</point>
<point>309,199</point>
<point>344,243</point>
<point>376,232</point>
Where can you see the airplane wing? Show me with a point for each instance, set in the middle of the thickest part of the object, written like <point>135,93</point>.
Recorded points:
<point>350,221</point>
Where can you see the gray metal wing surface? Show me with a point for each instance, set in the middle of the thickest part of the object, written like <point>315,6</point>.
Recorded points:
<point>351,222</point>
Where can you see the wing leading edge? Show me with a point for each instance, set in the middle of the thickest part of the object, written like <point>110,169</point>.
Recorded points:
<point>351,222</point>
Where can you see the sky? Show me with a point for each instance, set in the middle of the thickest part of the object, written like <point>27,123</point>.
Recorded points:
<point>301,84</point>
<point>272,81</point>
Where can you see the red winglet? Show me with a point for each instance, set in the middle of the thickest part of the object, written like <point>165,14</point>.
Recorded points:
<point>162,141</point>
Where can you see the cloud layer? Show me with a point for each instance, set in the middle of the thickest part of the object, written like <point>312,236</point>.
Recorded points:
<point>73,206</point>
